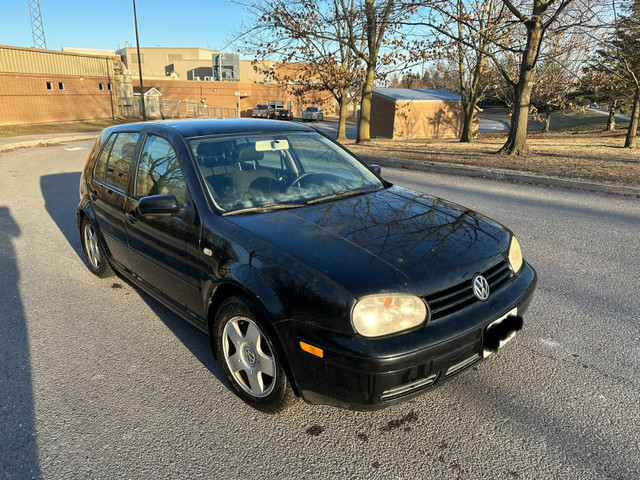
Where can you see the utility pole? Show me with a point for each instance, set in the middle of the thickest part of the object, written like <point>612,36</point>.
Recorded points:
<point>37,29</point>
<point>135,20</point>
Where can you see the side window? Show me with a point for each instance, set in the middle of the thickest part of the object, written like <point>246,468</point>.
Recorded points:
<point>101,164</point>
<point>114,162</point>
<point>159,171</point>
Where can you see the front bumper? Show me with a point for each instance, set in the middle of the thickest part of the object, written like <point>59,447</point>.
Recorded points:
<point>365,374</point>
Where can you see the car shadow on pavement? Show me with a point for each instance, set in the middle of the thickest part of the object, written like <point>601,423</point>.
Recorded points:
<point>60,193</point>
<point>18,440</point>
<point>191,337</point>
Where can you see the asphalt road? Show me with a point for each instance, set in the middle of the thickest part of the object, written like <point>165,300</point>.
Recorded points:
<point>97,380</point>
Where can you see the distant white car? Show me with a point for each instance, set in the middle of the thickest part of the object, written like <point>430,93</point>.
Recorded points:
<point>313,114</point>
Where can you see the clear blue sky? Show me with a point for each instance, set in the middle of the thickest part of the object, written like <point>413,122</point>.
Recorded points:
<point>107,25</point>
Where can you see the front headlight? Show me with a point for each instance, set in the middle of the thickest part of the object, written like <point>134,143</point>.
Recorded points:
<point>379,315</point>
<point>515,255</point>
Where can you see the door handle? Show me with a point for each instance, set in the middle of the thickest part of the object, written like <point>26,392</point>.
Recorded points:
<point>131,217</point>
<point>94,196</point>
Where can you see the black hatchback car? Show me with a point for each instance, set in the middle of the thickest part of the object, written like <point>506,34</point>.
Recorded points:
<point>310,273</point>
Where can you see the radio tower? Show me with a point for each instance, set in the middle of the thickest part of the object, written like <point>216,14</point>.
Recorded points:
<point>36,25</point>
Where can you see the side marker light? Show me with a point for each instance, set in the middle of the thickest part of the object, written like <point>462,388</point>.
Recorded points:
<point>311,349</point>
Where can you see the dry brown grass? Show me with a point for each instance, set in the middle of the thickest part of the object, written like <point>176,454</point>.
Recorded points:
<point>593,155</point>
<point>62,127</point>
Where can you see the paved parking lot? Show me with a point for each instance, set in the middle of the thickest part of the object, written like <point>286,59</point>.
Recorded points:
<point>98,380</point>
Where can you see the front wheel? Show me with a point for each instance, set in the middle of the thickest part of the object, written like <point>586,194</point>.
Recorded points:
<point>248,358</point>
<point>93,251</point>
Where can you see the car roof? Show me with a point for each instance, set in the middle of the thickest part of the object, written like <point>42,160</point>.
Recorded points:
<point>204,127</point>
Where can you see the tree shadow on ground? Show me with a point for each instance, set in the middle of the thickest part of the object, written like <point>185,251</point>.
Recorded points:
<point>61,200</point>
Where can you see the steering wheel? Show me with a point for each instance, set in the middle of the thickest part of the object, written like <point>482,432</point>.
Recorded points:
<point>302,177</point>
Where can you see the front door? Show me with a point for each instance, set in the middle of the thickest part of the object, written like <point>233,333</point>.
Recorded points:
<point>158,243</point>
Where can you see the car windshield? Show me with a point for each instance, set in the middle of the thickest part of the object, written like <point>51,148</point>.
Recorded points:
<point>261,172</point>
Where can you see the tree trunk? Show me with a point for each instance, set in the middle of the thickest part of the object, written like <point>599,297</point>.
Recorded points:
<point>611,123</point>
<point>467,127</point>
<point>516,143</point>
<point>342,121</point>
<point>632,139</point>
<point>364,125</point>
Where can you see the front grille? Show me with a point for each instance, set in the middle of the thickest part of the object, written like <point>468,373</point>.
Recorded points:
<point>453,299</point>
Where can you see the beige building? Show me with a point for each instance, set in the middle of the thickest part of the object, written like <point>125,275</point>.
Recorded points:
<point>44,86</point>
<point>413,113</point>
<point>160,62</point>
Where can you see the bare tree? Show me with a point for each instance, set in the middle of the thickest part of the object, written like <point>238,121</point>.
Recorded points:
<point>528,22</point>
<point>308,38</point>
<point>621,60</point>
<point>471,27</point>
<point>558,78</point>
<point>377,19</point>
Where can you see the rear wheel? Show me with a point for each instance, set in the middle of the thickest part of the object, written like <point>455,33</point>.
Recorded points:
<point>248,358</point>
<point>93,251</point>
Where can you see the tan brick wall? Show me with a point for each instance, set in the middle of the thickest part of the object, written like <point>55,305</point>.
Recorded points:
<point>25,99</point>
<point>416,119</point>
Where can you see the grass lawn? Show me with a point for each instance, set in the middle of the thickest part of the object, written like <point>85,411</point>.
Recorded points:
<point>569,121</point>
<point>62,127</point>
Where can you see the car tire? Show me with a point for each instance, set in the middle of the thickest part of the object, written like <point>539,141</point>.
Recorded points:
<point>93,251</point>
<point>245,348</point>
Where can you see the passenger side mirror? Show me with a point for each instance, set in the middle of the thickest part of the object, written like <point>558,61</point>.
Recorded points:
<point>158,205</point>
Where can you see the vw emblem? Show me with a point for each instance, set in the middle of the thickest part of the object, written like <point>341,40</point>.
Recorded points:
<point>249,355</point>
<point>481,288</point>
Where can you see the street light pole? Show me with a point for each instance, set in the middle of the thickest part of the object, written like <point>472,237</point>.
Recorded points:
<point>135,20</point>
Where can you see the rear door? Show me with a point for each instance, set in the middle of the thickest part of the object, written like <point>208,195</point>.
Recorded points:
<point>108,190</point>
<point>162,246</point>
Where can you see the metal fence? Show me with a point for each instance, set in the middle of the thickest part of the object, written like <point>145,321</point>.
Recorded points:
<point>194,109</point>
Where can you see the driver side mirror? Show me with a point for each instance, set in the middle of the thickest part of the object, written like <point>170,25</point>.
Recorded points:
<point>376,169</point>
<point>158,205</point>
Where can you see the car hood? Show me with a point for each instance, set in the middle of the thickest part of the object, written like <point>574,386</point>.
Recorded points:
<point>391,240</point>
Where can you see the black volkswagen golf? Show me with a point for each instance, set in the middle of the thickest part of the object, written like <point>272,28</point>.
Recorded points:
<point>311,274</point>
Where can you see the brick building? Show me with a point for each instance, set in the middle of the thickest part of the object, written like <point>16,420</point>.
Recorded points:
<point>44,86</point>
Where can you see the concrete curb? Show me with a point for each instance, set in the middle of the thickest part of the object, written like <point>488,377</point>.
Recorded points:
<point>595,187</point>
<point>481,172</point>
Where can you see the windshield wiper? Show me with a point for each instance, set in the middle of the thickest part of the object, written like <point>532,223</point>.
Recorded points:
<point>270,207</point>
<point>345,194</point>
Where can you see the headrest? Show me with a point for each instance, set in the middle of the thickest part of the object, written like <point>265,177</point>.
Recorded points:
<point>248,153</point>
<point>211,149</point>
<point>128,149</point>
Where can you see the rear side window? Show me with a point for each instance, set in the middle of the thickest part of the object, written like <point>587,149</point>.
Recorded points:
<point>114,163</point>
<point>159,171</point>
